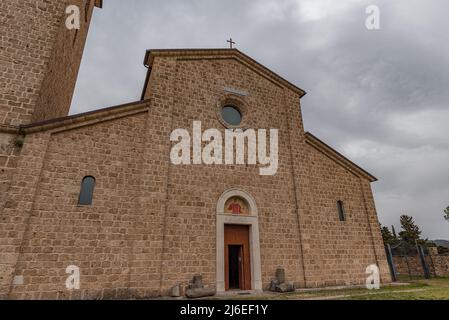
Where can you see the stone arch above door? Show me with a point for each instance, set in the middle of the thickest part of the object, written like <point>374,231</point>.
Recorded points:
<point>249,217</point>
<point>240,194</point>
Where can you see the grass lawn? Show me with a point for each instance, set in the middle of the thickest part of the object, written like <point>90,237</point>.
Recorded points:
<point>432,289</point>
<point>416,289</point>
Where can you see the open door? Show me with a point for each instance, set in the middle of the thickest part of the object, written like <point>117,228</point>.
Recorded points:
<point>237,258</point>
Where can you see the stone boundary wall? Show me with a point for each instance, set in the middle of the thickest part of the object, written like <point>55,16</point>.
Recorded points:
<point>438,264</point>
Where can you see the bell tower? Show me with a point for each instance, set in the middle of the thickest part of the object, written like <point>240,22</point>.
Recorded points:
<point>39,62</point>
<point>40,58</point>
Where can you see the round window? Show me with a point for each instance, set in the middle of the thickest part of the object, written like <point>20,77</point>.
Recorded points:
<point>231,115</point>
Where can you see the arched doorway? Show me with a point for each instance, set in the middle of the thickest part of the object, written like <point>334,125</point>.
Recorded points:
<point>238,248</point>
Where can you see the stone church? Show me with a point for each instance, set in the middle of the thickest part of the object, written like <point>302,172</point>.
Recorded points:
<point>98,190</point>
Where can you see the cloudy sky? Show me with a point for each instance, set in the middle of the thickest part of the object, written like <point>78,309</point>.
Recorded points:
<point>379,97</point>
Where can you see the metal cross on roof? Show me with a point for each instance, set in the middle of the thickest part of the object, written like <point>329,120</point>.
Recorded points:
<point>231,43</point>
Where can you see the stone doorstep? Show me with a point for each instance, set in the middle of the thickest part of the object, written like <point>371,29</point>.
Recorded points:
<point>238,293</point>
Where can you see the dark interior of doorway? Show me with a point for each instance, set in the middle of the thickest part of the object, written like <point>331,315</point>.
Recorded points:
<point>235,259</point>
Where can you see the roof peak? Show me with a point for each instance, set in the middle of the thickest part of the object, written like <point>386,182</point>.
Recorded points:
<point>220,52</point>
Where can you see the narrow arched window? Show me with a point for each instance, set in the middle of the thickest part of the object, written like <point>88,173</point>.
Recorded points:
<point>87,191</point>
<point>341,211</point>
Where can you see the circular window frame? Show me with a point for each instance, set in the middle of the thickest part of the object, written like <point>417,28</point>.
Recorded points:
<point>237,103</point>
<point>235,111</point>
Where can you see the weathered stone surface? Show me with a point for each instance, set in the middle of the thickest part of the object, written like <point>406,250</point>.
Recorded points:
<point>273,285</point>
<point>280,275</point>
<point>175,291</point>
<point>200,292</point>
<point>285,287</point>
<point>279,284</point>
<point>153,224</point>
<point>41,62</point>
<point>196,282</point>
<point>438,264</point>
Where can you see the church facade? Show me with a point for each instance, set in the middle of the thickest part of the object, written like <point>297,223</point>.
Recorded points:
<point>98,190</point>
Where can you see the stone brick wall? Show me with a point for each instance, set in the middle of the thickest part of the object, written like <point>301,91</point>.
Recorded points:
<point>336,252</point>
<point>406,265</point>
<point>17,208</point>
<point>441,265</point>
<point>189,90</point>
<point>333,253</point>
<point>39,59</point>
<point>153,224</point>
<point>9,154</point>
<point>39,62</point>
<point>438,264</point>
<point>62,71</point>
<point>115,242</point>
<point>103,240</point>
<point>28,31</point>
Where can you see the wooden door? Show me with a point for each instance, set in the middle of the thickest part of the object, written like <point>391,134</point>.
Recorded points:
<point>236,242</point>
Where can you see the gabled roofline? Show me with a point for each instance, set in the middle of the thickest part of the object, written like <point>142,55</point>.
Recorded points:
<point>217,53</point>
<point>337,156</point>
<point>79,119</point>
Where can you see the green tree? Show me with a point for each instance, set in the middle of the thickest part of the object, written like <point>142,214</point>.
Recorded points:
<point>446,214</point>
<point>410,231</point>
<point>387,236</point>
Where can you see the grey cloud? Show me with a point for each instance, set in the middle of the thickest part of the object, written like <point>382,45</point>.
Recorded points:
<point>381,97</point>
